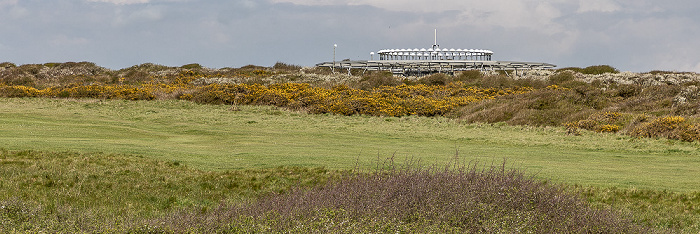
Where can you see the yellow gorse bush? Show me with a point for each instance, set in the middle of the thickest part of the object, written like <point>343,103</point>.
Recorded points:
<point>599,122</point>
<point>424,100</point>
<point>664,126</point>
<point>607,128</point>
<point>89,91</point>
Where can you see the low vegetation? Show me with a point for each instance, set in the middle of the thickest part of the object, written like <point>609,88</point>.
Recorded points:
<point>413,199</point>
<point>86,191</point>
<point>560,99</point>
<point>77,192</point>
<point>72,192</point>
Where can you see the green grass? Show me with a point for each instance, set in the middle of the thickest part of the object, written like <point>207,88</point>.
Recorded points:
<point>93,192</point>
<point>213,138</point>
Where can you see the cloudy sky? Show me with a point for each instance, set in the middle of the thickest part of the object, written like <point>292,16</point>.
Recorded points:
<point>631,35</point>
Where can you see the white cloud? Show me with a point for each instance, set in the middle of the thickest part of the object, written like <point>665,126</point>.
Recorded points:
<point>140,15</point>
<point>630,35</point>
<point>65,40</point>
<point>597,6</point>
<point>8,2</point>
<point>17,12</point>
<point>536,15</point>
<point>121,2</point>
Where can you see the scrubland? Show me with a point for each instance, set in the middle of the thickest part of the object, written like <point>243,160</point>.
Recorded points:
<point>152,148</point>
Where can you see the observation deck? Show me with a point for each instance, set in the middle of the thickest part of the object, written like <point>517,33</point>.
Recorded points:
<point>435,54</point>
<point>432,60</point>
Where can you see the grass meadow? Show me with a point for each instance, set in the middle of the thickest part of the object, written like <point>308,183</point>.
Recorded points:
<point>187,155</point>
<point>215,138</point>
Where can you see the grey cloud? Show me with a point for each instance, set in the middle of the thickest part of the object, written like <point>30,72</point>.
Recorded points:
<point>239,32</point>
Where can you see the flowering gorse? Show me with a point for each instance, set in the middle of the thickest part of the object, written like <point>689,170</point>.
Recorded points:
<point>425,100</point>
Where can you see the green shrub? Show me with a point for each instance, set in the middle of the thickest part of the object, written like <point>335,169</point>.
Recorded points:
<point>599,69</point>
<point>7,65</point>
<point>573,69</point>
<point>591,70</point>
<point>51,65</point>
<point>192,66</point>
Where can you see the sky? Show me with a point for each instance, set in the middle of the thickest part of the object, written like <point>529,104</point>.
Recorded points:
<point>631,35</point>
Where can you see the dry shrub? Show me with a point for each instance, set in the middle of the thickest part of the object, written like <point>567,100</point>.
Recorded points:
<point>628,90</point>
<point>686,109</point>
<point>530,82</point>
<point>552,106</point>
<point>435,79</point>
<point>562,77</point>
<point>468,76</point>
<point>549,117</point>
<point>499,81</point>
<point>279,66</point>
<point>489,111</point>
<point>657,99</point>
<point>464,199</point>
<point>376,79</point>
<point>591,70</point>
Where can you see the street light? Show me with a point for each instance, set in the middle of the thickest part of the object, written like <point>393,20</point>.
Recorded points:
<point>333,68</point>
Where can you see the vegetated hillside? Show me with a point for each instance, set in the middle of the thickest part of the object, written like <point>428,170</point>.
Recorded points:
<point>607,102</point>
<point>596,98</point>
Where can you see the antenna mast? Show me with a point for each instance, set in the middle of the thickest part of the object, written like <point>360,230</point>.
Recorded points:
<point>435,46</point>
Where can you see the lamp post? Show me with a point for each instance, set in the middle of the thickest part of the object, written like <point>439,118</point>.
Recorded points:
<point>333,68</point>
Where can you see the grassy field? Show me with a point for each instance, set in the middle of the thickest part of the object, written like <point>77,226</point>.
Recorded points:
<point>215,138</point>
